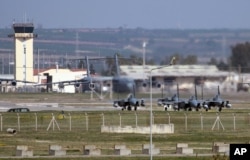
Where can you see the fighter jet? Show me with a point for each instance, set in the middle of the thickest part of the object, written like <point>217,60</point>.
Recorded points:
<point>194,102</point>
<point>129,102</point>
<point>180,103</point>
<point>217,101</point>
<point>170,102</point>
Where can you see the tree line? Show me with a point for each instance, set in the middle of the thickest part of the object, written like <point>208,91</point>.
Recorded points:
<point>239,60</point>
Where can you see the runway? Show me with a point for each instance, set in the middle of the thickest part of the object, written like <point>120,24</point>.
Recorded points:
<point>36,107</point>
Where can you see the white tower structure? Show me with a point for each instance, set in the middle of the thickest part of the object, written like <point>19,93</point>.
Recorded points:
<point>23,39</point>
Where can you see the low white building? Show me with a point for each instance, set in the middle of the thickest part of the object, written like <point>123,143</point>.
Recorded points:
<point>51,78</point>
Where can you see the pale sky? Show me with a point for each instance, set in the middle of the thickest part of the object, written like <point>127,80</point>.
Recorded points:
<point>150,14</point>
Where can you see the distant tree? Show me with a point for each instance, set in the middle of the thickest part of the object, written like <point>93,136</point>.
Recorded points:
<point>110,62</point>
<point>150,62</point>
<point>69,66</point>
<point>135,60</point>
<point>167,59</point>
<point>213,61</point>
<point>189,60</point>
<point>81,64</point>
<point>222,65</point>
<point>179,59</point>
<point>241,56</point>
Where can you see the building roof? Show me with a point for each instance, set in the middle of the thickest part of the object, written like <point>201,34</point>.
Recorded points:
<point>136,71</point>
<point>54,69</point>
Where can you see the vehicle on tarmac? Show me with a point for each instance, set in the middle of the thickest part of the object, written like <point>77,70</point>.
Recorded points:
<point>18,110</point>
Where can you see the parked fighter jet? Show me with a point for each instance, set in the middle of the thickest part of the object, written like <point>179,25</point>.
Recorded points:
<point>177,103</point>
<point>217,101</point>
<point>170,102</point>
<point>129,102</point>
<point>194,102</point>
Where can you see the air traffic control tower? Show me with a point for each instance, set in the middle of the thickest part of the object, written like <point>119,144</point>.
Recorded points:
<point>23,39</point>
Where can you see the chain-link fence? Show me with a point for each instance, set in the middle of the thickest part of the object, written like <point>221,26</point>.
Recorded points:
<point>83,121</point>
<point>73,129</point>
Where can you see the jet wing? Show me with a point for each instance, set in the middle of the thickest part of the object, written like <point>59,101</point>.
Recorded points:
<point>101,79</point>
<point>13,81</point>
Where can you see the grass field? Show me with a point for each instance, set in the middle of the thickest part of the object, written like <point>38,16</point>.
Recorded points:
<point>194,128</point>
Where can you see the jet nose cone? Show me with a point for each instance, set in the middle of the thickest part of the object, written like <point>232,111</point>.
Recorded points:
<point>159,102</point>
<point>229,105</point>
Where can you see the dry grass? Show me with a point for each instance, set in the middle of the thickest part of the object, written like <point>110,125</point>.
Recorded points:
<point>73,141</point>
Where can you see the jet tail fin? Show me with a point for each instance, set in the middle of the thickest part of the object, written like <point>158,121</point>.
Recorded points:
<point>117,65</point>
<point>178,92</point>
<point>218,90</point>
<point>134,90</point>
<point>87,64</point>
<point>202,92</point>
<point>195,91</point>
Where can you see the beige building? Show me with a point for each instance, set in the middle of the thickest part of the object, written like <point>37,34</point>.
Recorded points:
<point>23,39</point>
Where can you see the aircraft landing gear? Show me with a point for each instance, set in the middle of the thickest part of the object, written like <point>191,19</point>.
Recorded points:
<point>135,108</point>
<point>220,108</point>
<point>129,108</point>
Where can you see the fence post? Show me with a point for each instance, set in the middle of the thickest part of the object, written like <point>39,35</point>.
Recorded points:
<point>18,121</point>
<point>234,121</point>
<point>69,122</point>
<point>168,118</point>
<point>1,122</point>
<point>36,121</point>
<point>86,118</point>
<point>120,119</point>
<point>185,121</point>
<point>248,118</point>
<point>136,120</point>
<point>103,120</point>
<point>201,121</point>
<point>153,119</point>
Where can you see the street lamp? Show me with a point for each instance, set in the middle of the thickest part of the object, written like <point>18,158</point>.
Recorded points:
<point>144,52</point>
<point>151,108</point>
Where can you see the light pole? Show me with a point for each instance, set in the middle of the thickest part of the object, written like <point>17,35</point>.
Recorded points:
<point>144,52</point>
<point>151,108</point>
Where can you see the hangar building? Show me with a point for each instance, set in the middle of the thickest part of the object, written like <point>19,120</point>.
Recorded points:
<point>185,75</point>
